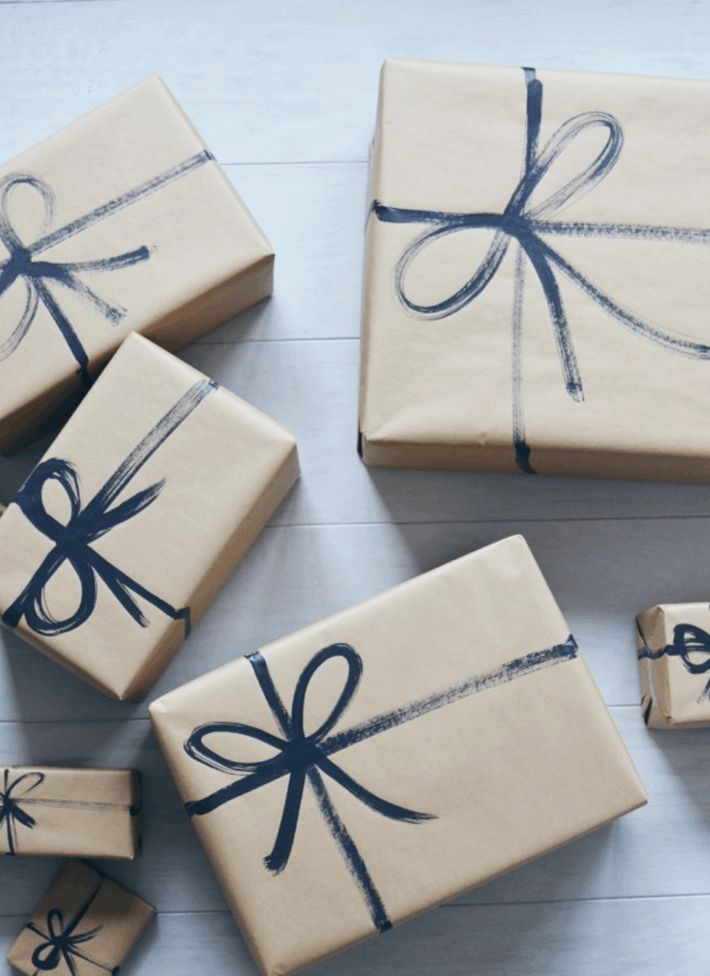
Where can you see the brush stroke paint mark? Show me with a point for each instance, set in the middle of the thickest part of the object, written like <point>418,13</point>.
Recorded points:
<point>73,540</point>
<point>12,813</point>
<point>305,758</point>
<point>24,263</point>
<point>525,225</point>
<point>61,942</point>
<point>687,640</point>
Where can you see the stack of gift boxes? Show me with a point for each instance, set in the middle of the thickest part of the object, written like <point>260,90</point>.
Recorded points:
<point>387,758</point>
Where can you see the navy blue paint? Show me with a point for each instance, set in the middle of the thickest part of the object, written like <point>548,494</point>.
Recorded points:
<point>301,756</point>
<point>22,263</point>
<point>88,523</point>
<point>61,941</point>
<point>11,812</point>
<point>687,640</point>
<point>524,224</point>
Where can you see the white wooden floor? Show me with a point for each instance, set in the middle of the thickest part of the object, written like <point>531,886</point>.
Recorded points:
<point>284,93</point>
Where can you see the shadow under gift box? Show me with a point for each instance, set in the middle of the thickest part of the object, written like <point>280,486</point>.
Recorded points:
<point>120,222</point>
<point>139,512</point>
<point>536,292</point>
<point>674,665</point>
<point>55,811</point>
<point>393,755</point>
<point>86,923</point>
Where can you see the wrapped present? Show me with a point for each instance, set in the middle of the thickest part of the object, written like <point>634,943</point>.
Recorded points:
<point>387,758</point>
<point>142,507</point>
<point>535,291</point>
<point>121,222</point>
<point>86,924</point>
<point>673,643</point>
<point>54,811</point>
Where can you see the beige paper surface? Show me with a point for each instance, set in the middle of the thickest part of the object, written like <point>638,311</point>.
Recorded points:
<point>449,389</point>
<point>673,643</point>
<point>55,811</point>
<point>82,901</point>
<point>529,762</point>
<point>210,474</point>
<point>188,253</point>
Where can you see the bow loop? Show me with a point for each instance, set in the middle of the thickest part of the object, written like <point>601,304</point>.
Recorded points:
<point>354,672</point>
<point>585,181</point>
<point>197,748</point>
<point>17,248</point>
<point>692,645</point>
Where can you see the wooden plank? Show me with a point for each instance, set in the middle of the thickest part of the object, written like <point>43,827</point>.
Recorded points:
<point>649,937</point>
<point>654,851</point>
<point>297,81</point>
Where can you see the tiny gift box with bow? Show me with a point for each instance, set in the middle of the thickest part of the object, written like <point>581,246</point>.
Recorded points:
<point>55,811</point>
<point>536,291</point>
<point>121,222</point>
<point>85,925</point>
<point>388,758</point>
<point>673,642</point>
<point>140,510</point>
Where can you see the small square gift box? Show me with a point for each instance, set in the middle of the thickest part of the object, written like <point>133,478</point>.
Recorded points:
<point>388,758</point>
<point>673,642</point>
<point>121,222</point>
<point>86,924</point>
<point>55,811</point>
<point>142,507</point>
<point>535,291</point>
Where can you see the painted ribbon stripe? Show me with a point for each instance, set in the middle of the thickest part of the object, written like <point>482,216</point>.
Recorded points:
<point>23,261</point>
<point>524,224</point>
<point>73,539</point>
<point>687,640</point>
<point>12,813</point>
<point>61,942</point>
<point>306,757</point>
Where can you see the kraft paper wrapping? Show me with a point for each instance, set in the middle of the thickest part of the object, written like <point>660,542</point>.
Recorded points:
<point>85,925</point>
<point>673,643</point>
<point>535,294</point>
<point>53,811</point>
<point>391,756</point>
<point>121,222</point>
<point>139,512</point>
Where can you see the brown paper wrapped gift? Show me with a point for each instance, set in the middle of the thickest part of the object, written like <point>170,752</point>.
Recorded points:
<point>138,513</point>
<point>536,292</point>
<point>85,924</point>
<point>389,757</point>
<point>121,222</point>
<point>674,664</point>
<point>54,811</point>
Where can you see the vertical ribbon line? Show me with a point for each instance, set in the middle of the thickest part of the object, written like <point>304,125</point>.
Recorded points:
<point>72,541</point>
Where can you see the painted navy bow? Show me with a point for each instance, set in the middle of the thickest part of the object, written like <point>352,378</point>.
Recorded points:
<point>306,757</point>
<point>692,645</point>
<point>73,540</point>
<point>526,224</point>
<point>62,942</point>
<point>11,811</point>
<point>24,262</point>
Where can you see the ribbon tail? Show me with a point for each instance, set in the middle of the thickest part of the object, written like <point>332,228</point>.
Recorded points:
<point>686,347</point>
<point>384,807</point>
<point>537,254</point>
<point>350,854</point>
<point>66,329</point>
<point>277,860</point>
<point>122,586</point>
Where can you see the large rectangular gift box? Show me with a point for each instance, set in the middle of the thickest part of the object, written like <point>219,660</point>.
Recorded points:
<point>138,513</point>
<point>536,296</point>
<point>383,760</point>
<point>55,811</point>
<point>121,222</point>
<point>673,643</point>
<point>85,924</point>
